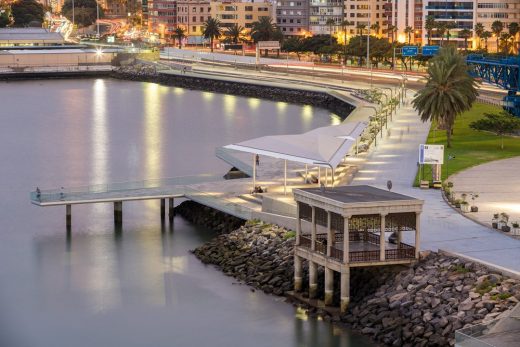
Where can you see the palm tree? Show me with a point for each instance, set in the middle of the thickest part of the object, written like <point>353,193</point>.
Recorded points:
<point>212,30</point>
<point>408,31</point>
<point>486,35</point>
<point>235,32</point>
<point>263,30</point>
<point>497,27</point>
<point>344,26</point>
<point>479,30</point>
<point>513,30</point>
<point>429,25</point>
<point>376,27</point>
<point>449,90</point>
<point>360,27</point>
<point>449,26</point>
<point>441,30</point>
<point>179,34</point>
<point>465,34</point>
<point>331,23</point>
<point>505,37</point>
<point>390,31</point>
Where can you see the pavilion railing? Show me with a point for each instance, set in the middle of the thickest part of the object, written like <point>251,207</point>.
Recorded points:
<point>403,252</point>
<point>321,247</point>
<point>336,254</point>
<point>305,241</point>
<point>363,256</point>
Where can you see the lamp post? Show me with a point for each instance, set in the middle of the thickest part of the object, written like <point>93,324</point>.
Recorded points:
<point>450,157</point>
<point>97,20</point>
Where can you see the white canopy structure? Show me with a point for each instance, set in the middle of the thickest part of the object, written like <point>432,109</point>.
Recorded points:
<point>324,147</point>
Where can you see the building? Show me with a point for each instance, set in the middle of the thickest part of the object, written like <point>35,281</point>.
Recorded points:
<point>365,12</point>
<point>240,13</point>
<point>460,12</point>
<point>488,11</point>
<point>320,11</point>
<point>403,14</point>
<point>191,15</point>
<point>30,37</point>
<point>292,17</point>
<point>162,17</point>
<point>350,226</point>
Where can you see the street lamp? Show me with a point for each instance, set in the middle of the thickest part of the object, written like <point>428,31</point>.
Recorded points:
<point>450,157</point>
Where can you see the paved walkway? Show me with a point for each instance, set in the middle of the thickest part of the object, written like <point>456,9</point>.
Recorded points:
<point>442,228</point>
<point>498,186</point>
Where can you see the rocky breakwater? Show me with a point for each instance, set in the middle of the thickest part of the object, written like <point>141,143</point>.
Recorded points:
<point>424,305</point>
<point>208,217</point>
<point>421,305</point>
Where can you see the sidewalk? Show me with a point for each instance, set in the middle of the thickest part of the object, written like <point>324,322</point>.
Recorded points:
<point>395,159</point>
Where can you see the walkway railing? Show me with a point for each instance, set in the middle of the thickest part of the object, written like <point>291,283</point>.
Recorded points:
<point>175,185</point>
<point>228,157</point>
<point>469,336</point>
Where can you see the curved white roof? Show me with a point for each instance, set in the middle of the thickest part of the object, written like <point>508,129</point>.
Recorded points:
<point>324,146</point>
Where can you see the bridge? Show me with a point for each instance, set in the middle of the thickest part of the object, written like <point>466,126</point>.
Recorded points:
<point>503,72</point>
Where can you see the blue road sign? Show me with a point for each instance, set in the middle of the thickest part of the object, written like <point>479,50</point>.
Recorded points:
<point>410,51</point>
<point>430,50</point>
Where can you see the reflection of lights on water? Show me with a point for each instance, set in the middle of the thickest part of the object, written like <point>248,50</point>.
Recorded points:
<point>335,120</point>
<point>253,103</point>
<point>152,132</point>
<point>175,264</point>
<point>99,136</point>
<point>179,91</point>
<point>229,105</point>
<point>281,106</point>
<point>301,314</point>
<point>207,96</point>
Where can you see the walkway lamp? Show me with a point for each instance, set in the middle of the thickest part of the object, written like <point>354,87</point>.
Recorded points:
<point>450,157</point>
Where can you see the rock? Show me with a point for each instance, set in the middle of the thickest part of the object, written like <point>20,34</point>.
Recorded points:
<point>418,330</point>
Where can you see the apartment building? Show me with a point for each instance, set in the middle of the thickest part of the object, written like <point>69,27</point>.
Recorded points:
<point>241,13</point>
<point>488,11</point>
<point>292,17</point>
<point>460,12</point>
<point>191,16</point>
<point>320,11</point>
<point>162,17</point>
<point>403,14</point>
<point>366,12</point>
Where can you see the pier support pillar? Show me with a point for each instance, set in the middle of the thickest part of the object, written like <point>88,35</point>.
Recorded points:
<point>329,286</point>
<point>171,212</point>
<point>297,274</point>
<point>345,289</point>
<point>68,214</point>
<point>382,239</point>
<point>118,212</point>
<point>163,208</point>
<point>417,234</point>
<point>313,280</point>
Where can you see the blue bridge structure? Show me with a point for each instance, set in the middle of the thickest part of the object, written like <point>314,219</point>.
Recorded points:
<point>503,72</point>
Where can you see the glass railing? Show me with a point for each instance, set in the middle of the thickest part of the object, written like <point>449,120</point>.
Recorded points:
<point>471,336</point>
<point>77,193</point>
<point>225,154</point>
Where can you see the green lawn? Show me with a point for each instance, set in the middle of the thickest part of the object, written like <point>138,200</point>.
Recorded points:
<point>471,147</point>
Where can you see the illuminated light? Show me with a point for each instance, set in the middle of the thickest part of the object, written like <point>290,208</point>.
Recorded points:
<point>99,52</point>
<point>207,96</point>
<point>229,105</point>
<point>281,106</point>
<point>335,120</point>
<point>401,38</point>
<point>307,112</point>
<point>178,91</point>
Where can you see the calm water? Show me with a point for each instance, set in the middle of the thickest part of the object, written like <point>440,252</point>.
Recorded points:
<point>143,287</point>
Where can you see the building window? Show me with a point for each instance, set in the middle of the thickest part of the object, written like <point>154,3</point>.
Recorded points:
<point>194,28</point>
<point>249,8</point>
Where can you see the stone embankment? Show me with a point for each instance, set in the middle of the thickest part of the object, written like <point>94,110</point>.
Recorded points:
<point>421,305</point>
<point>148,73</point>
<point>208,217</point>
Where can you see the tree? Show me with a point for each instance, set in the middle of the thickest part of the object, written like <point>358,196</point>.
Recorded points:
<point>235,33</point>
<point>513,30</point>
<point>449,26</point>
<point>448,92</point>
<point>505,38</point>
<point>408,31</point>
<point>465,34</point>
<point>5,18</point>
<point>497,27</point>
<point>179,34</point>
<point>486,35</point>
<point>25,12</point>
<point>85,12</point>
<point>294,44</point>
<point>498,123</point>
<point>376,27</point>
<point>430,25</point>
<point>263,30</point>
<point>212,30</point>
<point>479,30</point>
<point>344,26</point>
<point>441,30</point>
<point>331,23</point>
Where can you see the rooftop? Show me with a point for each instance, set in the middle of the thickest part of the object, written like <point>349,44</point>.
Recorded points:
<point>15,35</point>
<point>357,194</point>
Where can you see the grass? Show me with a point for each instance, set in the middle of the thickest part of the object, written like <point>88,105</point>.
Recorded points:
<point>470,147</point>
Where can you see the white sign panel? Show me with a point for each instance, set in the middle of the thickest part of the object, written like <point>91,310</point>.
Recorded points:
<point>431,154</point>
<point>268,45</point>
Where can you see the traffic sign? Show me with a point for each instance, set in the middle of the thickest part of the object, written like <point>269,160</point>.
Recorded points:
<point>410,51</point>
<point>430,50</point>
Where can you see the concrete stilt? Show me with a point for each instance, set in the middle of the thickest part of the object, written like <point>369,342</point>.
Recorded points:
<point>345,290</point>
<point>171,212</point>
<point>329,286</point>
<point>68,216</point>
<point>313,280</point>
<point>163,208</point>
<point>118,212</point>
<point>297,274</point>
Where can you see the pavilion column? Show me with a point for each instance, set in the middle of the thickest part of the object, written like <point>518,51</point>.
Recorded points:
<point>399,235</point>
<point>329,286</point>
<point>326,177</point>
<point>382,238</point>
<point>330,236</point>
<point>332,182</point>
<point>285,177</point>
<point>306,174</point>
<point>417,234</point>
<point>297,274</point>
<point>163,208</point>
<point>298,224</point>
<point>313,279</point>
<point>254,172</point>
<point>346,241</point>
<point>313,230</point>
<point>345,289</point>
<point>319,174</point>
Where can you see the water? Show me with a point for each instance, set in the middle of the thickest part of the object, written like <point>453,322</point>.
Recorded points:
<point>141,287</point>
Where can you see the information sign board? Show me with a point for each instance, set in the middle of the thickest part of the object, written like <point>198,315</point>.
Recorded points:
<point>430,50</point>
<point>431,154</point>
<point>410,51</point>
